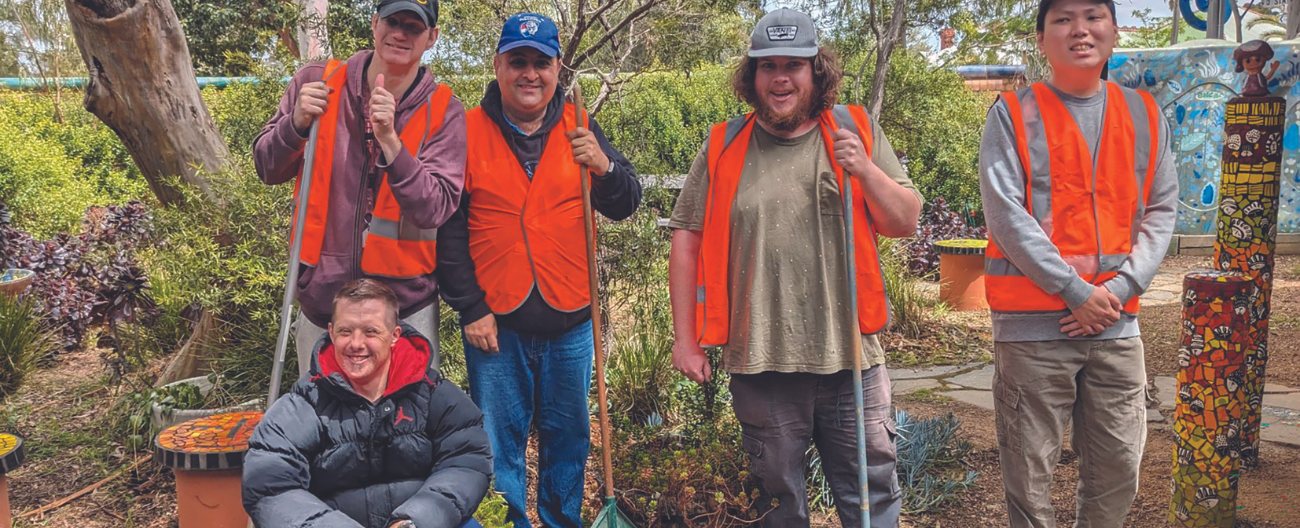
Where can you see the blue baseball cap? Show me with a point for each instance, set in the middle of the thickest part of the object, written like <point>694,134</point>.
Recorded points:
<point>530,29</point>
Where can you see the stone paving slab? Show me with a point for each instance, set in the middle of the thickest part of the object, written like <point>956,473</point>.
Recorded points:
<point>1280,425</point>
<point>932,372</point>
<point>905,387</point>
<point>978,398</point>
<point>1167,391</point>
<point>1287,401</point>
<point>981,379</point>
<point>1272,388</point>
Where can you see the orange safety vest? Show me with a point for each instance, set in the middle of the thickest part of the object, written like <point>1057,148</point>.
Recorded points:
<point>728,143</point>
<point>393,246</point>
<point>525,232</point>
<point>1090,208</point>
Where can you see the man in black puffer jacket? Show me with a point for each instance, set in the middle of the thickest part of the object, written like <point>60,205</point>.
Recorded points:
<point>371,436</point>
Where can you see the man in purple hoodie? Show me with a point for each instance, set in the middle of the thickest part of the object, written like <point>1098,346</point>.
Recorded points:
<point>388,169</point>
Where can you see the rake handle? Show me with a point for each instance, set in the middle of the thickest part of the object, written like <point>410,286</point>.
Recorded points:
<point>589,227</point>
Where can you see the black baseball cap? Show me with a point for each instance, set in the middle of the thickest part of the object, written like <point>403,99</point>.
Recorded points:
<point>427,9</point>
<point>1044,5</point>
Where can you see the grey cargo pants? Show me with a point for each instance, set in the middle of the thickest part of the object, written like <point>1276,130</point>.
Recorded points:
<point>780,413</point>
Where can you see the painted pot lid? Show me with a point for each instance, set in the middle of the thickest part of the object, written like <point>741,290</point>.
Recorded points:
<point>961,246</point>
<point>207,444</point>
<point>11,452</point>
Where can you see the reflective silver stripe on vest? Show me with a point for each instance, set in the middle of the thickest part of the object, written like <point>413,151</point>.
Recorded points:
<point>1040,169</point>
<point>400,231</point>
<point>1142,134</point>
<point>1082,264</point>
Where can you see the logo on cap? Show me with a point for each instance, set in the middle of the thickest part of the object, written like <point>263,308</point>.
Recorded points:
<point>528,27</point>
<point>782,32</point>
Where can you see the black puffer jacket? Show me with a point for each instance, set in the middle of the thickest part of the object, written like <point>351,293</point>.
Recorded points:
<point>326,457</point>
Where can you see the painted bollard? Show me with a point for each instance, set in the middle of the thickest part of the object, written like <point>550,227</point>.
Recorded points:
<point>961,273</point>
<point>11,457</point>
<point>1247,235</point>
<point>207,455</point>
<point>1211,406</point>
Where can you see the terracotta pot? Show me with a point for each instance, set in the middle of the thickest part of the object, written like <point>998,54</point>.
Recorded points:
<point>961,274</point>
<point>210,499</point>
<point>5,520</point>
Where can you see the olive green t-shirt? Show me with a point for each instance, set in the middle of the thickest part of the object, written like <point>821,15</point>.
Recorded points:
<point>787,276</point>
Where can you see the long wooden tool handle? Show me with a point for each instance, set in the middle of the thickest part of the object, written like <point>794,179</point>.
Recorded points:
<point>589,227</point>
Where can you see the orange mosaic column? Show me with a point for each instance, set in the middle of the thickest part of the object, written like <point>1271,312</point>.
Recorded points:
<point>1247,230</point>
<point>207,455</point>
<point>11,457</point>
<point>1211,403</point>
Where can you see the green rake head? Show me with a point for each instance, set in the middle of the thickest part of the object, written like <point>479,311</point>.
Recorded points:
<point>611,517</point>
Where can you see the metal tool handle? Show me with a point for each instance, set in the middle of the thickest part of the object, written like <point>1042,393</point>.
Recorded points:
<point>295,254</point>
<point>846,188</point>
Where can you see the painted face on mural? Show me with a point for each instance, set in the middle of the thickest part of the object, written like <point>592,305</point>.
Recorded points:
<point>1078,35</point>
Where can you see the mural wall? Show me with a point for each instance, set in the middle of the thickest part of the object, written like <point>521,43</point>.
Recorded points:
<point>1192,84</point>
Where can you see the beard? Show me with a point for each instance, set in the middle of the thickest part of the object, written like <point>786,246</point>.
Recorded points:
<point>788,121</point>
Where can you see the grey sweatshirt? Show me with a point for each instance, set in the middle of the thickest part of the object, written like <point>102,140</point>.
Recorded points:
<point>1027,246</point>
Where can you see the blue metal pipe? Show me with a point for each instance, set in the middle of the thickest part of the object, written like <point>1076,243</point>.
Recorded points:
<point>989,71</point>
<point>29,83</point>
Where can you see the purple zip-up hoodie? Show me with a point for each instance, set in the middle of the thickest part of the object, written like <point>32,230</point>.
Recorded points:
<point>427,186</point>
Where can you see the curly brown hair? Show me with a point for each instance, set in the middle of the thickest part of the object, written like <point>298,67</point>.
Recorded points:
<point>828,76</point>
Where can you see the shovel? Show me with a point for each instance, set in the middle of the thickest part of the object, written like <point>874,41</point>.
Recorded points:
<point>609,516</point>
<point>295,252</point>
<point>846,188</point>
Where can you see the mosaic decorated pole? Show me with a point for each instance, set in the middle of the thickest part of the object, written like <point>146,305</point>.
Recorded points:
<point>207,455</point>
<point>11,456</point>
<point>1248,209</point>
<point>1211,404</point>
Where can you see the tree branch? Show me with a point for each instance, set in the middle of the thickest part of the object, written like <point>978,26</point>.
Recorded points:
<point>634,15</point>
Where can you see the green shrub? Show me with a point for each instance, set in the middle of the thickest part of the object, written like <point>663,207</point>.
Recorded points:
<point>930,115</point>
<point>240,110</point>
<point>24,339</point>
<point>492,511</point>
<point>909,309</point>
<point>57,170</point>
<point>228,260</point>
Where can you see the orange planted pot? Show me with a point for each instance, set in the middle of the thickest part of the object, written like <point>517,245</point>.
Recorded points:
<point>961,273</point>
<point>207,455</point>
<point>11,457</point>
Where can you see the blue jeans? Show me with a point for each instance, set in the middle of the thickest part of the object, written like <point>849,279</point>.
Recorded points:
<point>542,381</point>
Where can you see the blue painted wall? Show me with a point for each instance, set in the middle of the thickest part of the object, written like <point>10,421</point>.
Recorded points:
<point>1191,85</point>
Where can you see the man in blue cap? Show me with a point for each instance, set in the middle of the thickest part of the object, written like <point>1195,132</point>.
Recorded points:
<point>512,262</point>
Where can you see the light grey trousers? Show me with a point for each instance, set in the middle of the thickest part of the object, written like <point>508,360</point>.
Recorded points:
<point>307,334</point>
<point>1038,388</point>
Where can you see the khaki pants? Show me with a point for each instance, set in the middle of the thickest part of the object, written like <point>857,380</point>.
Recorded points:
<point>306,334</point>
<point>1038,388</point>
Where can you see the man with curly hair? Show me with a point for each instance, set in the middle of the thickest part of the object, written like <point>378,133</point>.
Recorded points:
<point>758,267</point>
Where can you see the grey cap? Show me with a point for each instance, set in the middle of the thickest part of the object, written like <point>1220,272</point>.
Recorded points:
<point>784,33</point>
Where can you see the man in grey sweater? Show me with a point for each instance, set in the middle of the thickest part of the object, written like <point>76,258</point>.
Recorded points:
<point>1079,193</point>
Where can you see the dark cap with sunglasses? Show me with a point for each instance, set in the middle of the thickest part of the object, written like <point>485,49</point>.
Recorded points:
<point>426,9</point>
